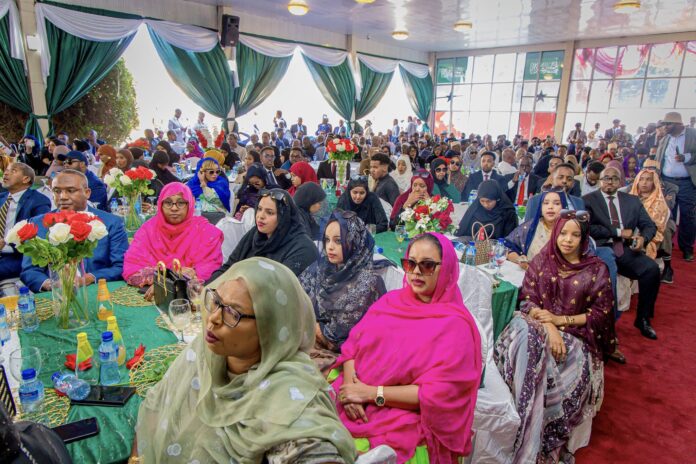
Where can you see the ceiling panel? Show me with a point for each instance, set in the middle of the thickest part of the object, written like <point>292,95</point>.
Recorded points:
<point>497,23</point>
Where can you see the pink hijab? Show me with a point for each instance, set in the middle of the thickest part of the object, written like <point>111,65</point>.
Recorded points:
<point>436,345</point>
<point>195,242</point>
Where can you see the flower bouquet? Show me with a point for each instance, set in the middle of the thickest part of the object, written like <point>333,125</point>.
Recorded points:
<point>341,151</point>
<point>131,185</point>
<point>141,143</point>
<point>431,215</point>
<point>71,237</point>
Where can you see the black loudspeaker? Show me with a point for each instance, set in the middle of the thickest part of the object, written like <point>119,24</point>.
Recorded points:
<point>229,32</point>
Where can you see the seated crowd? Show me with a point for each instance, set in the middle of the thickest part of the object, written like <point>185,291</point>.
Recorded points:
<point>301,300</point>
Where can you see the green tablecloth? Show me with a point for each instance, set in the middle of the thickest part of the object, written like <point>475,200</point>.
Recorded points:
<point>137,325</point>
<point>504,299</point>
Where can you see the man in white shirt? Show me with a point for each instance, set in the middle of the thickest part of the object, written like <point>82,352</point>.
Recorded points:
<point>411,127</point>
<point>235,147</point>
<point>176,126</point>
<point>507,165</point>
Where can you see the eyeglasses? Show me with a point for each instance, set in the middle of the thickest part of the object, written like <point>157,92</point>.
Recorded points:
<point>579,215</point>
<point>213,171</point>
<point>422,174</point>
<point>70,162</point>
<point>441,170</point>
<point>230,316</point>
<point>455,163</point>
<point>427,268</point>
<point>170,204</point>
<point>610,179</point>
<point>277,195</point>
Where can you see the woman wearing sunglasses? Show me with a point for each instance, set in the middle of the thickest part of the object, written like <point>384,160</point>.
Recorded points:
<point>341,284</point>
<point>245,390</point>
<point>492,207</point>
<point>209,184</point>
<point>279,235</point>
<point>552,353</point>
<point>421,189</point>
<point>527,240</point>
<point>456,178</point>
<point>173,233</point>
<point>358,199</point>
<point>412,366</point>
<point>439,169</point>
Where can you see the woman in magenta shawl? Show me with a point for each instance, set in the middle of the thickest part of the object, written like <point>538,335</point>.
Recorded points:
<point>551,354</point>
<point>174,233</point>
<point>422,346</point>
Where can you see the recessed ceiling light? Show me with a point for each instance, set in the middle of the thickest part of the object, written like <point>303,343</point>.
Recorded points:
<point>626,5</point>
<point>366,2</point>
<point>462,26</point>
<point>400,35</point>
<point>298,7</point>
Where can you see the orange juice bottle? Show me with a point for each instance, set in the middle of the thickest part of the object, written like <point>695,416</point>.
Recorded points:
<point>106,307</point>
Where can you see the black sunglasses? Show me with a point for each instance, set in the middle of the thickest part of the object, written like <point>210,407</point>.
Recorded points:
<point>213,171</point>
<point>441,170</point>
<point>455,163</point>
<point>277,196</point>
<point>427,268</point>
<point>579,215</point>
<point>358,177</point>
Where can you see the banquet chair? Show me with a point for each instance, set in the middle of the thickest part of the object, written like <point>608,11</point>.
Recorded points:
<point>387,208</point>
<point>233,230</point>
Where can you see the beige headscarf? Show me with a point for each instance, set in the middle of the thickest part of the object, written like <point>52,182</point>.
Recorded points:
<point>657,209</point>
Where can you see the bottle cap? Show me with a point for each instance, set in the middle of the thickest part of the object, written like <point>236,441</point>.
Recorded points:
<point>23,290</point>
<point>107,336</point>
<point>82,337</point>
<point>28,374</point>
<point>111,320</point>
<point>56,376</point>
<point>471,243</point>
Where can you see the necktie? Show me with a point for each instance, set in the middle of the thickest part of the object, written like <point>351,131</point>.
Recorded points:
<point>485,177</point>
<point>3,216</point>
<point>333,169</point>
<point>616,224</point>
<point>271,178</point>
<point>520,193</point>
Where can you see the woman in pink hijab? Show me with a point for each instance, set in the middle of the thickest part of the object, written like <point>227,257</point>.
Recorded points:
<point>411,367</point>
<point>174,233</point>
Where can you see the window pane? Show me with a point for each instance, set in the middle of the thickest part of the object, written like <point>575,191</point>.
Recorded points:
<point>544,124</point>
<point>516,97</point>
<point>441,95</point>
<point>660,93</point>
<point>514,122</point>
<point>577,95</point>
<point>531,67</point>
<point>627,94</point>
<point>546,103</point>
<point>551,66</point>
<point>665,60</point>
<point>480,97</point>
<point>687,93</point>
<point>632,61</point>
<point>571,119</point>
<point>498,123</point>
<point>519,69</point>
<point>528,103</point>
<point>460,122</point>
<point>461,96</point>
<point>478,122</point>
<point>445,71</point>
<point>582,63</point>
<point>690,60</point>
<point>483,68</point>
<point>549,89</point>
<point>442,122</point>
<point>501,97</point>
<point>604,64</point>
<point>461,70</point>
<point>599,96</point>
<point>504,68</point>
<point>529,89</point>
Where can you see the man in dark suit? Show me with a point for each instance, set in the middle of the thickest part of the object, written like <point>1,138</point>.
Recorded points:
<point>17,204</point>
<point>386,187</point>
<point>561,181</point>
<point>486,173</point>
<point>614,132</point>
<point>299,127</point>
<point>522,184</point>
<point>614,216</point>
<point>76,160</point>
<point>327,170</point>
<point>71,192</point>
<point>275,178</point>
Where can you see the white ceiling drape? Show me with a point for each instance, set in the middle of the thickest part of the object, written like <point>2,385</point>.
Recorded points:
<point>385,65</point>
<point>15,32</point>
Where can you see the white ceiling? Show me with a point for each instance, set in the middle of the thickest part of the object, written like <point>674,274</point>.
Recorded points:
<point>497,23</point>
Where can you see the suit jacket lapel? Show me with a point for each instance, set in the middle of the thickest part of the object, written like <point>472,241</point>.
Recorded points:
<point>21,204</point>
<point>604,206</point>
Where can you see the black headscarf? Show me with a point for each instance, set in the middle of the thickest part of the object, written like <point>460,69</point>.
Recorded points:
<point>290,225</point>
<point>173,156</point>
<point>503,216</point>
<point>307,195</point>
<point>437,162</point>
<point>248,194</point>
<point>165,176</point>
<point>370,210</point>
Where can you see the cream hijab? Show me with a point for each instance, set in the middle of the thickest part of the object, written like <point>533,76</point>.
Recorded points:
<point>403,180</point>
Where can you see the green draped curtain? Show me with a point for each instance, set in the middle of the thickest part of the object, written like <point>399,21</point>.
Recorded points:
<point>13,83</point>
<point>374,86</point>
<point>77,65</point>
<point>337,85</point>
<point>419,92</point>
<point>205,77</point>
<point>259,75</point>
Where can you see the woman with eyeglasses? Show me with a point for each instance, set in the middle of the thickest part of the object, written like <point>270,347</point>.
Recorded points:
<point>492,207</point>
<point>173,233</point>
<point>411,367</point>
<point>527,240</point>
<point>403,173</point>
<point>365,204</point>
<point>210,185</point>
<point>279,235</point>
<point>245,390</point>
<point>341,284</point>
<point>439,169</point>
<point>421,189</point>
<point>301,173</point>
<point>552,353</point>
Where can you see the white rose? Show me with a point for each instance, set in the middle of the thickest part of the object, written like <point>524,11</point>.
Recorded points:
<point>125,180</point>
<point>114,172</point>
<point>109,180</point>
<point>336,141</point>
<point>59,233</point>
<point>98,231</point>
<point>341,147</point>
<point>12,236</point>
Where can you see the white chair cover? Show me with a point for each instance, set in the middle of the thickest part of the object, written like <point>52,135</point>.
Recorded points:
<point>387,208</point>
<point>233,231</point>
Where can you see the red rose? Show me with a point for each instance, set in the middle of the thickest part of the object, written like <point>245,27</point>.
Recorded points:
<point>81,217</point>
<point>132,173</point>
<point>80,231</point>
<point>422,209</point>
<point>436,198</point>
<point>27,232</point>
<point>145,173</point>
<point>49,219</point>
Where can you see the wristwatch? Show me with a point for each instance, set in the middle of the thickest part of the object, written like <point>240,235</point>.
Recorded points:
<point>379,401</point>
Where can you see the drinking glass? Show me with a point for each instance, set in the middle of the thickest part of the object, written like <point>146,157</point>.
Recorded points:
<point>195,289</point>
<point>24,358</point>
<point>330,183</point>
<point>400,232</point>
<point>180,315</point>
<point>491,254</point>
<point>500,257</point>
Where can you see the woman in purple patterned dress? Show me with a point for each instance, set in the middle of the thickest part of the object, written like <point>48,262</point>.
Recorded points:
<point>551,354</point>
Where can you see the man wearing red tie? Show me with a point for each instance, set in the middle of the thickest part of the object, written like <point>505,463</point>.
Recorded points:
<point>522,184</point>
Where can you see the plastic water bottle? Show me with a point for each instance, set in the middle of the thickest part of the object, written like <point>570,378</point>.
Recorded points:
<point>4,330</point>
<point>199,208</point>
<point>472,196</point>
<point>27,310</point>
<point>470,259</point>
<point>108,361</point>
<point>459,246</point>
<point>380,250</point>
<point>31,391</point>
<point>113,206</point>
<point>71,386</point>
<point>179,171</point>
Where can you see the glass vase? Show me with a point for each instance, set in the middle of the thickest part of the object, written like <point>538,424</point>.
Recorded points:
<point>341,169</point>
<point>133,221</point>
<point>69,300</point>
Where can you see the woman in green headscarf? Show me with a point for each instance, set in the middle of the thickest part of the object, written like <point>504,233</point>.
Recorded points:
<point>246,390</point>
